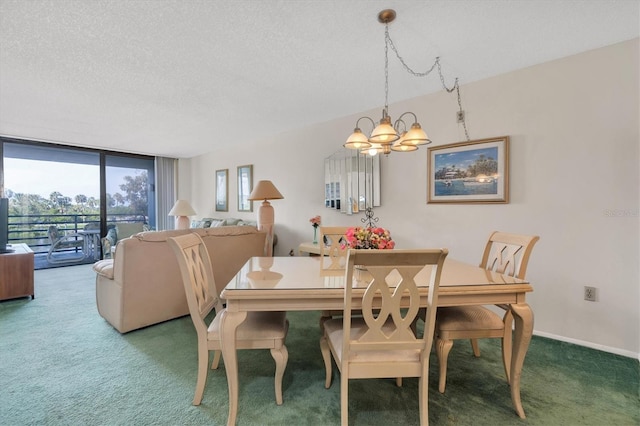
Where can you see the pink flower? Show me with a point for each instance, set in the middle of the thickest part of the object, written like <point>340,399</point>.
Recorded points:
<point>369,238</point>
<point>315,221</point>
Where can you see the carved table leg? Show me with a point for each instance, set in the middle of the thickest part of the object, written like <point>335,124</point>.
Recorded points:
<point>229,322</point>
<point>523,317</point>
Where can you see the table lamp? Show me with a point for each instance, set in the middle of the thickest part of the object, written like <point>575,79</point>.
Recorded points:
<point>182,210</point>
<point>266,190</point>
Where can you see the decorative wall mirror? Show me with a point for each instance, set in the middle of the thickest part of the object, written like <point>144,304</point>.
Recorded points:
<point>352,181</point>
<point>245,186</point>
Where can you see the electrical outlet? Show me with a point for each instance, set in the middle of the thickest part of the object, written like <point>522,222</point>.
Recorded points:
<point>460,116</point>
<point>590,293</point>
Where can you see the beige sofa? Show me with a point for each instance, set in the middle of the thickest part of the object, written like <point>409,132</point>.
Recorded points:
<point>142,284</point>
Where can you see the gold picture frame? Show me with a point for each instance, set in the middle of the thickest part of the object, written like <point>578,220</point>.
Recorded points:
<point>469,172</point>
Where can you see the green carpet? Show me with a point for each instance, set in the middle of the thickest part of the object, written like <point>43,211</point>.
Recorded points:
<point>62,364</point>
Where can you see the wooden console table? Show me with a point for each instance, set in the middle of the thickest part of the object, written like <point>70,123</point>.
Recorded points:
<point>16,273</point>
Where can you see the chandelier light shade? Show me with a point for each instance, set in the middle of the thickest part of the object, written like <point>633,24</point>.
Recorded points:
<point>182,210</point>
<point>384,133</point>
<point>415,136</point>
<point>357,140</point>
<point>265,190</point>
<point>399,146</point>
<point>398,137</point>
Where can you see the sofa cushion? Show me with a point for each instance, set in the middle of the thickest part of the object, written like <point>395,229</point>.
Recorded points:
<point>216,223</point>
<point>247,223</point>
<point>125,230</point>
<point>112,236</point>
<point>196,224</point>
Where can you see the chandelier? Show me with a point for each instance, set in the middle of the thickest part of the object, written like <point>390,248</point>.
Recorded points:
<point>398,137</point>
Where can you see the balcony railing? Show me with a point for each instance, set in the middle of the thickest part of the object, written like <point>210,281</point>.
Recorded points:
<point>33,229</point>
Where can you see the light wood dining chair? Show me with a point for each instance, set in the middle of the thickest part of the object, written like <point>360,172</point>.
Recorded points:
<point>260,330</point>
<point>333,247</point>
<point>333,257</point>
<point>382,343</point>
<point>506,254</point>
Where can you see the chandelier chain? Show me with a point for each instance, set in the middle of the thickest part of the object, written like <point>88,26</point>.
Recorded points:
<point>386,70</point>
<point>436,63</point>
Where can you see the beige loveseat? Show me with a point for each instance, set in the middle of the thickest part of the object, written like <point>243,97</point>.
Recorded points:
<point>142,284</point>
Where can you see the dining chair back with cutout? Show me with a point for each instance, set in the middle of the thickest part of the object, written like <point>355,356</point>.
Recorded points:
<point>333,257</point>
<point>333,247</point>
<point>382,342</point>
<point>504,253</point>
<point>260,330</point>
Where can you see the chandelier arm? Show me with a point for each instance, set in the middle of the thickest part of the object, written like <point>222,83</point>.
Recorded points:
<point>415,118</point>
<point>396,124</point>
<point>373,123</point>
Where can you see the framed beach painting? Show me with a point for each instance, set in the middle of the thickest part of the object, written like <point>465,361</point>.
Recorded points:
<point>245,186</point>
<point>469,172</point>
<point>222,190</point>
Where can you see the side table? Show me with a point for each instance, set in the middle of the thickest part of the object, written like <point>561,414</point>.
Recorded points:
<point>309,248</point>
<point>16,273</point>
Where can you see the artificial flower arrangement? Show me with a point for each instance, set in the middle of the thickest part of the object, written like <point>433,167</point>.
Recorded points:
<point>315,221</point>
<point>369,238</point>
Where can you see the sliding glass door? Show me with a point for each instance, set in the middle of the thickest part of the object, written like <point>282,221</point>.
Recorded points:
<point>56,191</point>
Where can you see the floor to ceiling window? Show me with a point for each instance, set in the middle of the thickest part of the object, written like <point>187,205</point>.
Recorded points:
<point>129,189</point>
<point>55,193</point>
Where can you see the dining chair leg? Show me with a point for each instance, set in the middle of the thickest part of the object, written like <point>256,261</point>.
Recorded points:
<point>326,357</point>
<point>507,344</point>
<point>476,347</point>
<point>216,360</point>
<point>203,370</point>
<point>281,356</point>
<point>443,347</point>
<point>344,398</point>
<point>423,400</point>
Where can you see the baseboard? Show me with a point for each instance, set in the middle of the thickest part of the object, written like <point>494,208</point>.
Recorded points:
<point>591,345</point>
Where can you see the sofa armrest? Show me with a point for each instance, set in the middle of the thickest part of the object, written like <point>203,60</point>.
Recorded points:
<point>104,268</point>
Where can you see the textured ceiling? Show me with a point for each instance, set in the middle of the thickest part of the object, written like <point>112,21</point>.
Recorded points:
<point>184,77</point>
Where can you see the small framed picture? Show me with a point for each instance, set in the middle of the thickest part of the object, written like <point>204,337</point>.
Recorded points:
<point>469,172</point>
<point>222,190</point>
<point>245,186</point>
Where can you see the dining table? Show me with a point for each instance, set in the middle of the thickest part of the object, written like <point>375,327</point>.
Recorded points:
<point>301,283</point>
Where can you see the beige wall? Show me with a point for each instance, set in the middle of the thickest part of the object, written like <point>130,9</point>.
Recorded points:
<point>574,180</point>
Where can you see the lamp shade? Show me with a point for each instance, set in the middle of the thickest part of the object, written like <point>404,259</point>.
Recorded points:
<point>265,190</point>
<point>182,208</point>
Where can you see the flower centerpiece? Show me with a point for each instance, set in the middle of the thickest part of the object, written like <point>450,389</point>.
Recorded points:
<point>369,238</point>
<point>315,222</point>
